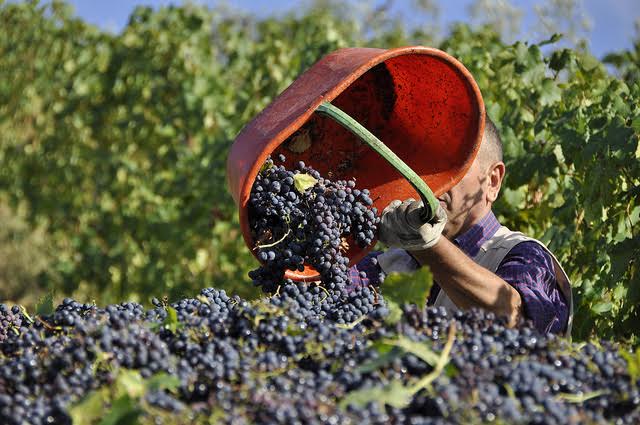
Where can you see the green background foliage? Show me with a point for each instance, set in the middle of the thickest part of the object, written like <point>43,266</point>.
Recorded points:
<point>113,148</point>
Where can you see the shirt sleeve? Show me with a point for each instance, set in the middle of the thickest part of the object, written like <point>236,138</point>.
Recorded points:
<point>528,267</point>
<point>366,272</point>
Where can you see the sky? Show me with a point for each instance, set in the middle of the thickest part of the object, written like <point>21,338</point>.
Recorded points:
<point>612,20</point>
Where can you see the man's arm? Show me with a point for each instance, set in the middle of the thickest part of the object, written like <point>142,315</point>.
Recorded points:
<point>469,284</point>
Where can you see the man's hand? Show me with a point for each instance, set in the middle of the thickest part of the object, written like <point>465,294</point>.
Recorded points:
<point>401,226</point>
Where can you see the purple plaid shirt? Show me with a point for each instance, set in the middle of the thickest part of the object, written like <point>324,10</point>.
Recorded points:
<point>527,267</point>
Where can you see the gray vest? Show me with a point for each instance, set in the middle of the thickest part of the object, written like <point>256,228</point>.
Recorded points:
<point>490,255</point>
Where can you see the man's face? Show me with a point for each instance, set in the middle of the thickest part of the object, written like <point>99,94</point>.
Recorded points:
<point>466,202</point>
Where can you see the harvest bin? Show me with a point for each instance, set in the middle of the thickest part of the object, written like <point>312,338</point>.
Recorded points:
<point>419,101</point>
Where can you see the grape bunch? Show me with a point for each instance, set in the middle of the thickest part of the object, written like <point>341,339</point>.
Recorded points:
<point>298,217</point>
<point>10,320</point>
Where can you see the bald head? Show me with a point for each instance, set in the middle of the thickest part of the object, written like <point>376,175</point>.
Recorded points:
<point>491,146</point>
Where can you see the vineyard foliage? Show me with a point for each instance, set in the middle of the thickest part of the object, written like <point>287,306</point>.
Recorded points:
<point>113,148</point>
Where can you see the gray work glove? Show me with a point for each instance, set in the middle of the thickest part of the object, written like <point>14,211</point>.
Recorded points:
<point>401,226</point>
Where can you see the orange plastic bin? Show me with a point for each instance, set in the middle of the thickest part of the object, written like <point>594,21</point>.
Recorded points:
<point>419,101</point>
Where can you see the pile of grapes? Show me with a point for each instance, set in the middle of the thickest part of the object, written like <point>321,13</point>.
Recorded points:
<point>321,352</point>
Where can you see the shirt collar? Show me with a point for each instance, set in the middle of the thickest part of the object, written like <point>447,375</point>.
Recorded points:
<point>471,240</point>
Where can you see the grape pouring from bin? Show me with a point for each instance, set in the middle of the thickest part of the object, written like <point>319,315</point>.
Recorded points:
<point>420,101</point>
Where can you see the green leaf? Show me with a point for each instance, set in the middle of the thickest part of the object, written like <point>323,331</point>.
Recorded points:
<point>394,394</point>
<point>580,398</point>
<point>549,92</point>
<point>633,363</point>
<point>553,39</point>
<point>418,349</point>
<point>45,307</point>
<point>89,409</point>
<point>129,383</point>
<point>162,381</point>
<point>384,358</point>
<point>602,307</point>
<point>303,181</point>
<point>560,59</point>
<point>171,322</point>
<point>408,288</point>
<point>395,313</point>
<point>124,411</point>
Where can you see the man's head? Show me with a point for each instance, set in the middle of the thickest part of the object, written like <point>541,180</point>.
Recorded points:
<point>471,199</point>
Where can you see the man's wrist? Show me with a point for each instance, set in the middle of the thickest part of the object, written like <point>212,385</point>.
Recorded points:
<point>426,255</point>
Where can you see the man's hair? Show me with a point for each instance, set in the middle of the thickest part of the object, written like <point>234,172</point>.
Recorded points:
<point>491,147</point>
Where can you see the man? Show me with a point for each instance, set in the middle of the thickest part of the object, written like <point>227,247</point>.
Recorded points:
<point>478,262</point>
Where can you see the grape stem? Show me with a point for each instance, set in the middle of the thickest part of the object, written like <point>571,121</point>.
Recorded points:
<point>442,362</point>
<point>274,243</point>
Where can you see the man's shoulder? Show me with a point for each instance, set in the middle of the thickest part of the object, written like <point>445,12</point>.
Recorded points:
<point>530,251</point>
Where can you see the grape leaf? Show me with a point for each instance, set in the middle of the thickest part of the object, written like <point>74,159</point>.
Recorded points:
<point>549,92</point>
<point>418,349</point>
<point>129,383</point>
<point>395,312</point>
<point>89,409</point>
<point>171,322</point>
<point>384,358</point>
<point>124,411</point>
<point>553,39</point>
<point>44,307</point>
<point>162,381</point>
<point>408,288</point>
<point>303,181</point>
<point>388,349</point>
<point>602,307</point>
<point>633,363</point>
<point>580,398</point>
<point>394,394</point>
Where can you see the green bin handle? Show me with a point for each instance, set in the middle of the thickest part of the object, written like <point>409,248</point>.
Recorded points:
<point>430,202</point>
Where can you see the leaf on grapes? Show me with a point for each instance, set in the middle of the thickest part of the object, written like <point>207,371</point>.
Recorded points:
<point>451,371</point>
<point>394,394</point>
<point>580,398</point>
<point>418,349</point>
<point>89,409</point>
<point>266,166</point>
<point>171,322</point>
<point>294,330</point>
<point>217,415</point>
<point>395,313</point>
<point>203,299</point>
<point>102,361</point>
<point>303,181</point>
<point>44,306</point>
<point>129,383</point>
<point>162,381</point>
<point>385,356</point>
<point>633,363</point>
<point>408,288</point>
<point>124,411</point>
<point>25,313</point>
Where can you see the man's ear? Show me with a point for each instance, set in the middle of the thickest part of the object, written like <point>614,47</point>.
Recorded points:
<point>495,175</point>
